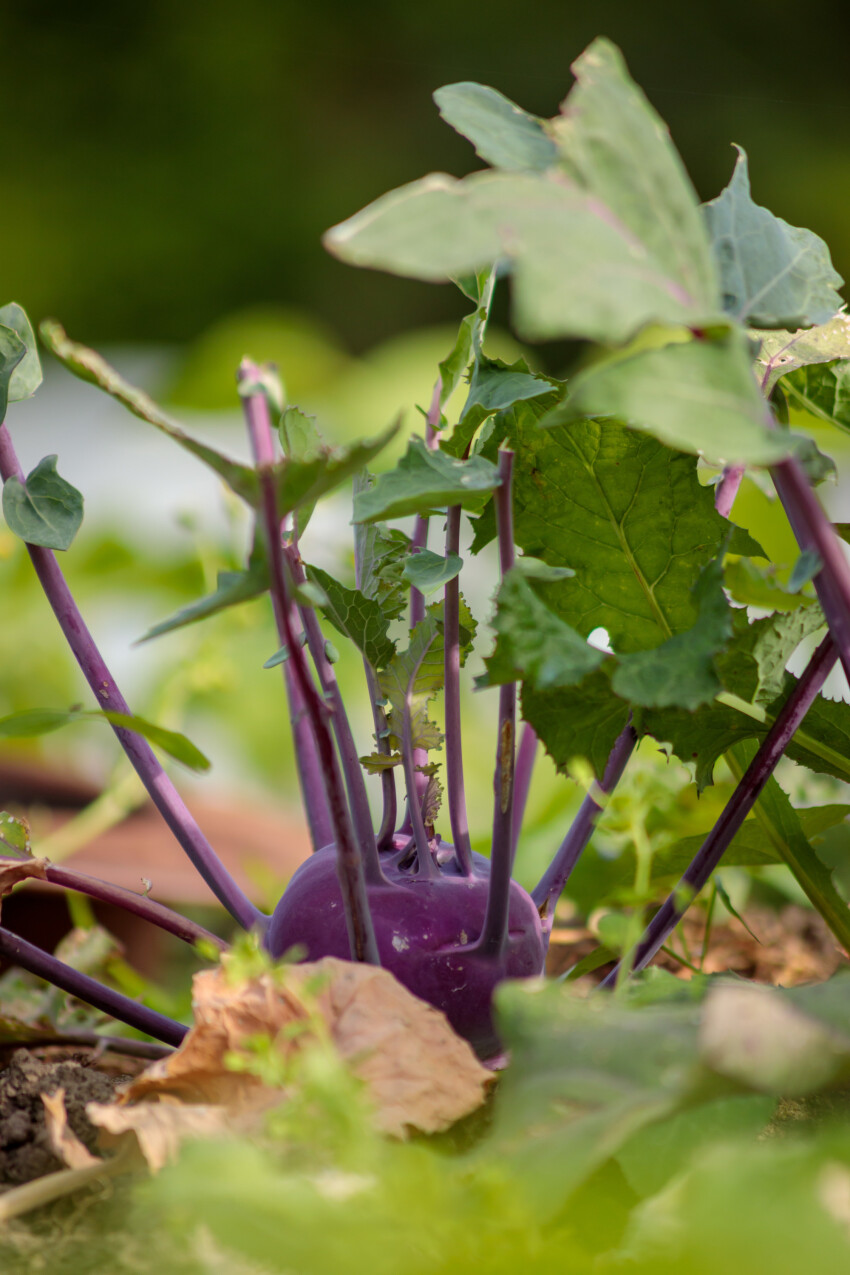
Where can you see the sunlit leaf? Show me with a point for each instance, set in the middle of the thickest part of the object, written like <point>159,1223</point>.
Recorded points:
<point>46,510</point>
<point>504,135</point>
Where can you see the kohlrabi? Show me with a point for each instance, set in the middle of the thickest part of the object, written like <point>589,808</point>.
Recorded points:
<point>706,323</point>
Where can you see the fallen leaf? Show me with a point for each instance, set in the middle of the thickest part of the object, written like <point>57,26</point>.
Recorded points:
<point>64,1143</point>
<point>419,1073</point>
<point>158,1128</point>
<point>14,870</point>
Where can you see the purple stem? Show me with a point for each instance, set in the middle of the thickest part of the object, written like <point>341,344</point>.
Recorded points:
<point>141,756</point>
<point>352,879</point>
<point>87,989</point>
<point>129,901</point>
<point>94,1040</point>
<point>548,890</point>
<point>426,865</point>
<point>353,772</point>
<point>310,778</point>
<point>389,813</point>
<point>737,808</point>
<point>727,489</point>
<point>495,929</point>
<point>451,678</point>
<point>526,757</point>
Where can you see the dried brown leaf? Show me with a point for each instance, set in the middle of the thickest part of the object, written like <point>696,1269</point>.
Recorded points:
<point>14,870</point>
<point>158,1128</point>
<point>64,1143</point>
<point>419,1073</point>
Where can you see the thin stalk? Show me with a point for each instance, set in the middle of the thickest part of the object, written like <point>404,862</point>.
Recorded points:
<point>495,929</point>
<point>31,958</point>
<point>20,1200</point>
<point>727,489</point>
<point>136,904</point>
<point>355,783</point>
<point>737,808</point>
<point>389,798</point>
<point>352,879</point>
<point>128,1045</point>
<point>525,759</point>
<point>548,890</point>
<point>451,680</point>
<point>310,779</point>
<point>426,865</point>
<point>140,754</point>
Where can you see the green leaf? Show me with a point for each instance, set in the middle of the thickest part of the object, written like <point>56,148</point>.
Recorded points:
<point>381,553</point>
<point>429,571</point>
<point>823,391</point>
<point>613,143</point>
<point>426,652</point>
<point>698,396</point>
<point>300,440</point>
<point>12,353</point>
<point>681,670</point>
<point>496,385</point>
<point>628,515</point>
<point>360,619</point>
<point>772,275</point>
<point>782,352</point>
<point>46,510</point>
<point>27,374</point>
<point>532,643</point>
<point>504,135</point>
<point>753,666</point>
<point>15,835</point>
<point>579,721</point>
<point>426,480</point>
<point>301,482</point>
<point>758,586</point>
<point>572,1093</point>
<point>41,721</point>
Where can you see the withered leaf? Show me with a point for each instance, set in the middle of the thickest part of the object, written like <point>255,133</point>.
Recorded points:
<point>64,1143</point>
<point>158,1128</point>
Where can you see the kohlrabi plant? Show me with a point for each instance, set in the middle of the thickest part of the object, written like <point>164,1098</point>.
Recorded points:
<point>707,327</point>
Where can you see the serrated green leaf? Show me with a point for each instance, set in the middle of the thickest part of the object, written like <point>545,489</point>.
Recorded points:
<point>772,275</point>
<point>753,666</point>
<point>758,586</point>
<point>823,391</point>
<point>496,385</point>
<point>533,644</point>
<point>429,571</point>
<point>422,661</point>
<point>27,374</point>
<point>381,553</point>
<point>698,396</point>
<point>579,721</point>
<point>360,619</point>
<point>425,480</point>
<point>504,135</point>
<point>42,721</point>
<point>377,763</point>
<point>613,143</point>
<point>627,514</point>
<point>46,510</point>
<point>681,670</point>
<point>12,354</point>
<point>781,352</point>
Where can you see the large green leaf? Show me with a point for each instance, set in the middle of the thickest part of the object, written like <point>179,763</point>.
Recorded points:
<point>782,352</point>
<point>612,143</point>
<point>533,643</point>
<point>698,396</point>
<point>362,620</point>
<point>578,721</point>
<point>27,375</point>
<point>46,510</point>
<point>681,670</point>
<point>627,514</point>
<point>425,480</point>
<point>772,275</point>
<point>504,135</point>
<point>577,270</point>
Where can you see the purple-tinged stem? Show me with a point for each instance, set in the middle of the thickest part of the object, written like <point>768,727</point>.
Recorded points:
<point>94,1040</point>
<point>31,958</point>
<point>525,759</point>
<point>164,795</point>
<point>389,798</point>
<point>136,904</point>
<point>737,808</point>
<point>727,489</point>
<point>548,889</point>
<point>426,866</point>
<point>352,879</point>
<point>814,531</point>
<point>451,679</point>
<point>495,930</point>
<point>310,781</point>
<point>352,771</point>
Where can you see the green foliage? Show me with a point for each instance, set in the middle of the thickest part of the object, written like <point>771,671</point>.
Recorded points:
<point>359,618</point>
<point>504,135</point>
<point>26,376</point>
<point>773,275</point>
<point>41,721</point>
<point>428,571</point>
<point>46,510</point>
<point>424,480</point>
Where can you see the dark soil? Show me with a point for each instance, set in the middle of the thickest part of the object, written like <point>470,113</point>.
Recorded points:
<point>24,1147</point>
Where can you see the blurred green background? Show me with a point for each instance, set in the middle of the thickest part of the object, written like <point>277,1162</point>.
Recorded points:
<point>169,170</point>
